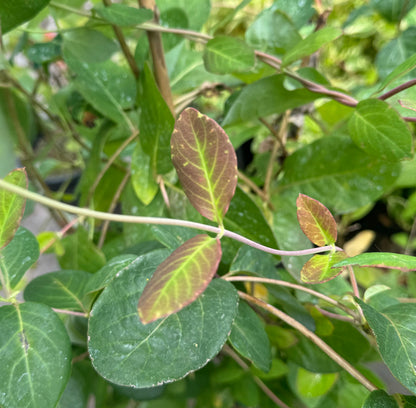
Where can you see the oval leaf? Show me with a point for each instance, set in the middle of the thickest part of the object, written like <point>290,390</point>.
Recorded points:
<point>381,260</point>
<point>12,206</point>
<point>311,44</point>
<point>316,221</point>
<point>320,268</point>
<point>380,399</point>
<point>124,16</point>
<point>206,163</point>
<point>61,289</point>
<point>35,355</point>
<point>126,352</point>
<point>225,55</point>
<point>395,331</point>
<point>17,257</point>
<point>379,130</point>
<point>181,278</point>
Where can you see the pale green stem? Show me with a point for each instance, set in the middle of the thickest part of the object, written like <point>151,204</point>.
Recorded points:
<point>155,221</point>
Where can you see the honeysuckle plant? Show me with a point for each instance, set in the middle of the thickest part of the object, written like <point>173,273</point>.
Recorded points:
<point>187,277</point>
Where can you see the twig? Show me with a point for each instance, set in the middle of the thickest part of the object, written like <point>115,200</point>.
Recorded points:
<point>156,221</point>
<point>313,337</point>
<point>124,47</point>
<point>353,281</point>
<point>252,186</point>
<point>80,357</point>
<point>334,315</point>
<point>109,163</point>
<point>112,207</point>
<point>278,142</point>
<point>70,312</point>
<point>229,351</point>
<point>398,89</point>
<point>158,57</point>
<point>289,285</point>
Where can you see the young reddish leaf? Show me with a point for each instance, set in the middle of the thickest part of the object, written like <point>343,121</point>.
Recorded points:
<point>206,163</point>
<point>316,221</point>
<point>11,207</point>
<point>319,268</point>
<point>181,278</point>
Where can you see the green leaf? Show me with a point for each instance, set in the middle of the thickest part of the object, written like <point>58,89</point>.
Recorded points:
<point>142,179</point>
<point>106,274</point>
<point>404,68</point>
<point>35,353</point>
<point>320,268</point>
<point>393,10</point>
<point>181,278</point>
<point>249,338</point>
<point>272,31</point>
<point>382,260</point>
<point>225,55</point>
<point>265,97</point>
<point>395,330</point>
<point>18,256</point>
<point>205,161</point>
<point>334,171</point>
<point>316,221</point>
<point>380,399</point>
<point>156,124</point>
<point>80,253</point>
<point>124,16</point>
<point>312,43</point>
<point>379,130</point>
<point>245,217</point>
<point>44,52</point>
<point>161,351</point>
<point>14,13</point>
<point>172,236</point>
<point>62,289</point>
<point>299,11</point>
<point>312,385</point>
<point>12,206</point>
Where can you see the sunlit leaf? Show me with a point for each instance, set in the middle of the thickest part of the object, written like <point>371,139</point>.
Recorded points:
<point>18,256</point>
<point>316,221</point>
<point>35,355</point>
<point>379,130</point>
<point>311,44</point>
<point>161,351</point>
<point>320,268</point>
<point>181,278</point>
<point>206,163</point>
<point>395,331</point>
<point>122,15</point>
<point>382,260</point>
<point>11,206</point>
<point>225,55</point>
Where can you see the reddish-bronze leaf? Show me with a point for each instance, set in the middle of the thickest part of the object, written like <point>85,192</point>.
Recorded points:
<point>181,278</point>
<point>316,221</point>
<point>320,269</point>
<point>206,163</point>
<point>12,206</point>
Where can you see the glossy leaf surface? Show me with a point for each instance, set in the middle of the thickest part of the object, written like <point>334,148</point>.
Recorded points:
<point>224,55</point>
<point>17,257</point>
<point>380,399</point>
<point>316,221</point>
<point>310,44</point>
<point>265,97</point>
<point>395,330</point>
<point>117,338</point>
<point>320,268</point>
<point>379,130</point>
<point>156,124</point>
<point>349,179</point>
<point>14,13</point>
<point>181,278</point>
<point>382,260</point>
<point>124,16</point>
<point>249,338</point>
<point>35,355</point>
<point>62,289</point>
<point>11,206</point>
<point>206,163</point>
